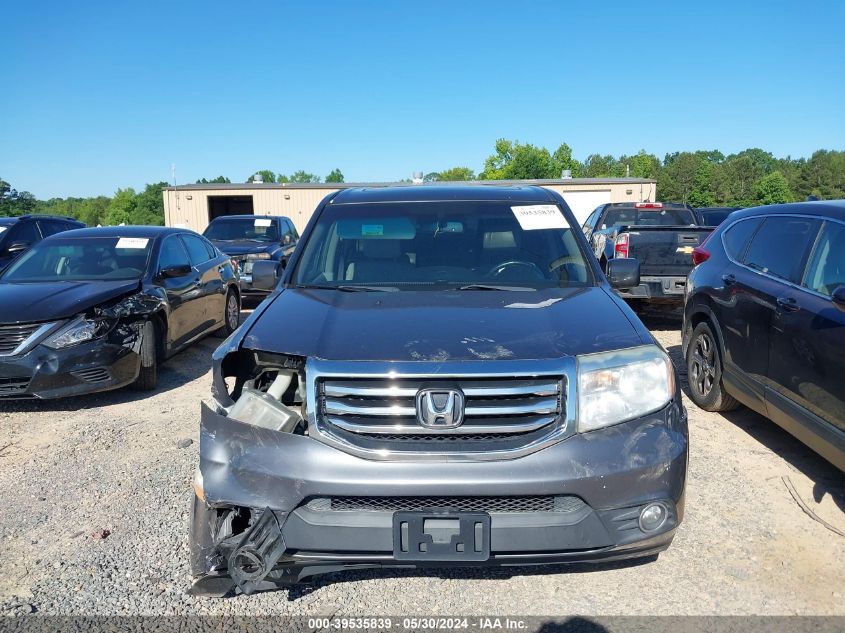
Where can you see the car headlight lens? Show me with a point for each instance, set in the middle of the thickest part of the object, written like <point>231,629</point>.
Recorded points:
<point>78,331</point>
<point>614,387</point>
<point>258,256</point>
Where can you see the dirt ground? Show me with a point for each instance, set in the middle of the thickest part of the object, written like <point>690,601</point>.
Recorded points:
<point>122,462</point>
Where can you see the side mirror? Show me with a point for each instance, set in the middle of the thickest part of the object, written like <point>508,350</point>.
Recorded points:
<point>838,297</point>
<point>265,274</point>
<point>287,239</point>
<point>16,248</point>
<point>623,273</point>
<point>175,271</point>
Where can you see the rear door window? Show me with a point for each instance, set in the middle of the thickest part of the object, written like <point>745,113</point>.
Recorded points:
<point>779,248</point>
<point>826,270</point>
<point>736,238</point>
<point>26,232</point>
<point>172,254</point>
<point>196,249</point>
<point>212,252</point>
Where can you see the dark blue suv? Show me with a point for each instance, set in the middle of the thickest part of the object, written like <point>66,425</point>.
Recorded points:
<point>764,320</point>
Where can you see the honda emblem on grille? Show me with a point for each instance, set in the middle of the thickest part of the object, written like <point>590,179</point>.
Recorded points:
<point>440,408</point>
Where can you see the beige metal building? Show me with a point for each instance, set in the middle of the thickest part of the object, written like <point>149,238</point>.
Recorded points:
<point>194,206</point>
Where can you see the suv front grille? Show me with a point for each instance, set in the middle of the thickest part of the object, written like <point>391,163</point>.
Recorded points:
<point>495,406</point>
<point>13,337</point>
<point>436,410</point>
<point>494,505</point>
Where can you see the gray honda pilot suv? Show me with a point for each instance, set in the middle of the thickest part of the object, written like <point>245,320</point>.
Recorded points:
<point>441,376</point>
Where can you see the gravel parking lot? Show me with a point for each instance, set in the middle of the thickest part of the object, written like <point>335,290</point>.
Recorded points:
<point>119,465</point>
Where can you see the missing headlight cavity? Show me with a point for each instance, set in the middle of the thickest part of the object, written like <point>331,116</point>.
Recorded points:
<point>268,390</point>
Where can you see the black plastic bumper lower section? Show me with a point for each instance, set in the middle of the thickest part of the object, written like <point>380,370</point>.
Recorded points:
<point>296,566</point>
<point>45,373</point>
<point>669,289</point>
<point>517,533</point>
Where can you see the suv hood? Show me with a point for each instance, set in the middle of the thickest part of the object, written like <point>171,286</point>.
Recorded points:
<point>49,301</point>
<point>243,248</point>
<point>442,326</point>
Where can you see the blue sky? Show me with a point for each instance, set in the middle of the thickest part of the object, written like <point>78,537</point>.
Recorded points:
<point>101,95</point>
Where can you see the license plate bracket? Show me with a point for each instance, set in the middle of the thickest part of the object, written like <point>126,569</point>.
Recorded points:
<point>441,536</point>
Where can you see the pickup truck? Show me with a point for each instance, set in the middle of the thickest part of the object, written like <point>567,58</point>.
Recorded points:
<point>442,376</point>
<point>661,236</point>
<point>251,238</point>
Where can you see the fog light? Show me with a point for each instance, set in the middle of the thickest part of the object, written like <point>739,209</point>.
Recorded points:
<point>653,516</point>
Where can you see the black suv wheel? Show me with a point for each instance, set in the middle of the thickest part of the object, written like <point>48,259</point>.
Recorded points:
<point>704,372</point>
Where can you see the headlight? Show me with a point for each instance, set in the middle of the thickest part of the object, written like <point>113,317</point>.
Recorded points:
<point>614,387</point>
<point>78,331</point>
<point>258,256</point>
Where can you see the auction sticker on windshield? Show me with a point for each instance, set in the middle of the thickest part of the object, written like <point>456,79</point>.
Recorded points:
<point>263,222</point>
<point>132,242</point>
<point>540,216</point>
<point>2,228</point>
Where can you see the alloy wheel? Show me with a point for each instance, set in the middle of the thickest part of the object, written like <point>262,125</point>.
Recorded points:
<point>233,312</point>
<point>702,371</point>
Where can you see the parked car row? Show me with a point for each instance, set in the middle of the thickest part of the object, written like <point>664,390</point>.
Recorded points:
<point>473,342</point>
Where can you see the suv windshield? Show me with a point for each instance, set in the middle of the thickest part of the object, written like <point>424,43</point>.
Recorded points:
<point>434,245</point>
<point>252,229</point>
<point>82,259</point>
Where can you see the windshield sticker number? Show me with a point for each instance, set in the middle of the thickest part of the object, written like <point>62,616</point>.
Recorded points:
<point>540,216</point>
<point>263,222</point>
<point>132,242</point>
<point>369,230</point>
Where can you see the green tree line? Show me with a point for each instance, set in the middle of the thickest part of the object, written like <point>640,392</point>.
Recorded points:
<point>701,178</point>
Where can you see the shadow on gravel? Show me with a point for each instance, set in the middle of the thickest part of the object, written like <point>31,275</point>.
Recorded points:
<point>826,477</point>
<point>175,372</point>
<point>660,317</point>
<point>457,573</point>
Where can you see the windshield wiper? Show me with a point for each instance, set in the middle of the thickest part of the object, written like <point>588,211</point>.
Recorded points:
<point>494,287</point>
<point>349,288</point>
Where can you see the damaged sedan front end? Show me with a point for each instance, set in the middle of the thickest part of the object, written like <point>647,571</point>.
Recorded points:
<point>88,310</point>
<point>95,350</point>
<point>476,424</point>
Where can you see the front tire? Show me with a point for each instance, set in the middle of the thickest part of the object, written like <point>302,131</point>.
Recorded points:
<point>704,372</point>
<point>148,374</point>
<point>231,314</point>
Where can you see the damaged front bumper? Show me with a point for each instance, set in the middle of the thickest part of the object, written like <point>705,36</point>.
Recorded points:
<point>278,507</point>
<point>90,367</point>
